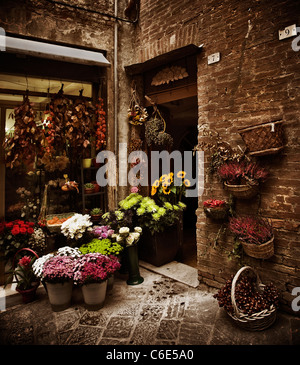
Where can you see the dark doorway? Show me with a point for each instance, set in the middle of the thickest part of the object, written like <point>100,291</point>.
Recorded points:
<point>182,125</point>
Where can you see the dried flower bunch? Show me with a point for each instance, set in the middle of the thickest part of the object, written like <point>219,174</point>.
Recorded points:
<point>254,230</point>
<point>245,172</point>
<point>100,125</point>
<point>155,134</point>
<point>26,140</point>
<point>221,151</point>
<point>137,115</point>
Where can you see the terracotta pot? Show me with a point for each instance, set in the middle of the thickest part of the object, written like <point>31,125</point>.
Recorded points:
<point>94,295</point>
<point>60,295</point>
<point>89,190</point>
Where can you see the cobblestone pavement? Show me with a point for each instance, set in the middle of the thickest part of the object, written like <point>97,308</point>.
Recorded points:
<point>160,311</point>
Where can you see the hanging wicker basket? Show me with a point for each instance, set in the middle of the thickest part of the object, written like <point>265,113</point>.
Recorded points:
<point>256,321</point>
<point>242,191</point>
<point>263,139</point>
<point>217,213</point>
<point>264,251</point>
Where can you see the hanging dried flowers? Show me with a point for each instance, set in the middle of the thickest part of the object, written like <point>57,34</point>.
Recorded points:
<point>155,134</point>
<point>100,125</point>
<point>26,140</point>
<point>137,115</point>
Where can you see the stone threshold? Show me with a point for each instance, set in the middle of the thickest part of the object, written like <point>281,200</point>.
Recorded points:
<point>175,270</point>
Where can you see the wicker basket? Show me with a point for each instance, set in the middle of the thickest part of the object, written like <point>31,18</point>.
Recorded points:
<point>242,191</point>
<point>256,321</point>
<point>263,139</point>
<point>219,213</point>
<point>264,251</point>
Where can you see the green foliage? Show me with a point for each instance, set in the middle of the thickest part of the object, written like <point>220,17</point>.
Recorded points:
<point>104,246</point>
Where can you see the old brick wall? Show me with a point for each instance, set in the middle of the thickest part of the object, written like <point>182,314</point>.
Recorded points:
<point>257,80</point>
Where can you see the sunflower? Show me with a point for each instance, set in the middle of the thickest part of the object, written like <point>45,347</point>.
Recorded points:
<point>187,183</point>
<point>153,190</point>
<point>156,183</point>
<point>163,178</point>
<point>166,191</point>
<point>181,174</point>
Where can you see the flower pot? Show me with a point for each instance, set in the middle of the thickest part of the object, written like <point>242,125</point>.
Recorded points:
<point>89,190</point>
<point>86,163</point>
<point>28,295</point>
<point>242,191</point>
<point>96,217</point>
<point>60,295</point>
<point>94,295</point>
<point>160,248</point>
<point>263,251</point>
<point>217,213</point>
<point>134,277</point>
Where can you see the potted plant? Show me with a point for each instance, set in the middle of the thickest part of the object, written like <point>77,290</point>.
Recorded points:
<point>105,246</point>
<point>58,274</point>
<point>91,273</point>
<point>159,221</point>
<point>216,209</point>
<point>96,214</point>
<point>242,178</point>
<point>27,281</point>
<point>129,240</point>
<point>254,234</point>
<point>89,188</point>
<point>77,229</point>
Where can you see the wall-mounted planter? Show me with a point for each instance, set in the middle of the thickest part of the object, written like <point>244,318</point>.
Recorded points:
<point>263,251</point>
<point>263,139</point>
<point>242,191</point>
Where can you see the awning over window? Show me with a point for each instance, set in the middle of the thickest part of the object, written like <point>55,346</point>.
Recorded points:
<point>52,51</point>
<point>176,54</point>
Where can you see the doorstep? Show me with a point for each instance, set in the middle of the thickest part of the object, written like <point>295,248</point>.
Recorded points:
<point>175,270</point>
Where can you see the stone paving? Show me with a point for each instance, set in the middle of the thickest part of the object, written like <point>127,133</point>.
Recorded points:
<point>160,311</point>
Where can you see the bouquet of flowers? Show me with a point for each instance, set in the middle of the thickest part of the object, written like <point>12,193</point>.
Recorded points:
<point>126,237</point>
<point>14,236</point>
<point>170,188</point>
<point>77,226</point>
<point>104,246</point>
<point>59,269</point>
<point>94,268</point>
<point>102,231</point>
<point>24,273</point>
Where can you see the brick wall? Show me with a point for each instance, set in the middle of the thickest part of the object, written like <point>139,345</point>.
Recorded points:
<point>257,80</point>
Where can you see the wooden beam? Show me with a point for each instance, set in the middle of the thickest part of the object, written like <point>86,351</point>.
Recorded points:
<point>172,94</point>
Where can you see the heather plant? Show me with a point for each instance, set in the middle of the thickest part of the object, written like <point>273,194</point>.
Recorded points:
<point>254,230</point>
<point>94,268</point>
<point>236,173</point>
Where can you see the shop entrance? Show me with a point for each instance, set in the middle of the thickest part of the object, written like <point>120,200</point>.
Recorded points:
<point>182,126</point>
